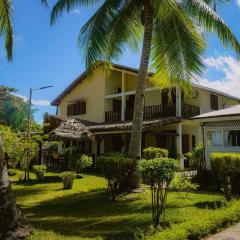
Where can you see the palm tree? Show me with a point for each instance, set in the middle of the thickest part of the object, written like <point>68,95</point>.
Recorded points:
<point>170,34</point>
<point>13,223</point>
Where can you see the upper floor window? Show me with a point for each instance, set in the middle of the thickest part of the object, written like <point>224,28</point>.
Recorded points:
<point>214,102</point>
<point>77,108</point>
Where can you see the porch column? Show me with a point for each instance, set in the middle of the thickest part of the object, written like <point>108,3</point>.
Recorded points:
<point>178,102</point>
<point>179,145</point>
<point>123,98</point>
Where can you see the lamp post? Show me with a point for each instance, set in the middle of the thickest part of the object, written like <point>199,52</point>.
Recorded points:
<point>29,123</point>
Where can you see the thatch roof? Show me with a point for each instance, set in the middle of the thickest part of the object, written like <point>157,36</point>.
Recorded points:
<point>73,130</point>
<point>126,126</point>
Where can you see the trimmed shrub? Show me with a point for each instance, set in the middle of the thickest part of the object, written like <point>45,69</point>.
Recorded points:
<point>40,171</point>
<point>181,183</point>
<point>205,179</point>
<point>226,167</point>
<point>82,162</point>
<point>12,172</point>
<point>115,169</point>
<point>68,179</point>
<point>158,173</point>
<point>153,152</point>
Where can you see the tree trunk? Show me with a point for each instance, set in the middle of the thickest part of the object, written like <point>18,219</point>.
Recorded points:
<point>13,225</point>
<point>136,133</point>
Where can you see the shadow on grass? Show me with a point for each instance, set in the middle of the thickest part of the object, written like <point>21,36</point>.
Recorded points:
<point>47,179</point>
<point>89,214</point>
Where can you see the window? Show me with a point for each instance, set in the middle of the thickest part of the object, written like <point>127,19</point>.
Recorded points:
<point>214,138</point>
<point>117,105</point>
<point>214,102</point>
<point>77,108</point>
<point>232,138</point>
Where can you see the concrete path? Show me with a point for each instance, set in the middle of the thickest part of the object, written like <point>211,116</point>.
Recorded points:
<point>232,233</point>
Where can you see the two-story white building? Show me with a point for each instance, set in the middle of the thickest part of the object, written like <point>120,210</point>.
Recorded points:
<point>105,104</point>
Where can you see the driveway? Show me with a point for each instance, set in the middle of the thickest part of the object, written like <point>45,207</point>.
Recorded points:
<point>232,233</point>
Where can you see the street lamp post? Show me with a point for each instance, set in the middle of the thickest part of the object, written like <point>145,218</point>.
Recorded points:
<point>29,123</point>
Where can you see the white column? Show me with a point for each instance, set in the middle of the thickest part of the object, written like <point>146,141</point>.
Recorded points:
<point>178,102</point>
<point>123,98</point>
<point>179,145</point>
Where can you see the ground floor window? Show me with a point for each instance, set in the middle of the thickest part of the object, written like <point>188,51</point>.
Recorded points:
<point>214,138</point>
<point>232,138</point>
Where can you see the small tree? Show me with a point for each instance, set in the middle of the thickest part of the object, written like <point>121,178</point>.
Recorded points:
<point>40,171</point>
<point>158,173</point>
<point>68,179</point>
<point>115,169</point>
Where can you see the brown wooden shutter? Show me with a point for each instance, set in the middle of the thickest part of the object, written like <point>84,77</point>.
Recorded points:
<point>71,109</point>
<point>214,102</point>
<point>80,107</point>
<point>116,105</point>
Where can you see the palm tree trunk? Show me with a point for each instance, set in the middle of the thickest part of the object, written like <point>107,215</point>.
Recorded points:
<point>13,224</point>
<point>136,133</point>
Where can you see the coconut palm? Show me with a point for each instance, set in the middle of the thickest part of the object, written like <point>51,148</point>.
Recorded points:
<point>13,224</point>
<point>169,32</point>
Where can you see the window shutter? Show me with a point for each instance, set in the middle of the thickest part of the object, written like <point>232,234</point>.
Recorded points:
<point>214,102</point>
<point>80,107</point>
<point>70,109</point>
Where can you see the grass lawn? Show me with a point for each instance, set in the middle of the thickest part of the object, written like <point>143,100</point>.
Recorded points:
<point>85,212</point>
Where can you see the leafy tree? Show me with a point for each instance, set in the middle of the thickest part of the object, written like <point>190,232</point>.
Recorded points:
<point>158,173</point>
<point>170,36</point>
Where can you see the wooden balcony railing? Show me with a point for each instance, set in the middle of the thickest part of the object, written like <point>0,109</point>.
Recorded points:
<point>154,112</point>
<point>189,111</point>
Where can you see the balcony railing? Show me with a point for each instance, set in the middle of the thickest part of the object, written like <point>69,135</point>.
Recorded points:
<point>154,112</point>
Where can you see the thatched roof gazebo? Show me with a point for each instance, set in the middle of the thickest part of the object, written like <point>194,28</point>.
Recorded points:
<point>71,129</point>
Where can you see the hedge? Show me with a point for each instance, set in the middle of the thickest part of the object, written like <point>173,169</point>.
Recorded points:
<point>153,152</point>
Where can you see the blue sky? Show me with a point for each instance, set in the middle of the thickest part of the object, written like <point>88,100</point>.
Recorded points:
<point>48,55</point>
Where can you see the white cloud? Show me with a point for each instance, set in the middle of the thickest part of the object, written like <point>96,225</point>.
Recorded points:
<point>35,102</point>
<point>77,11</point>
<point>238,3</point>
<point>229,74</point>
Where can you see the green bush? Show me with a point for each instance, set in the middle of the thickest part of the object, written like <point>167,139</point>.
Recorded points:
<point>181,183</point>
<point>159,173</point>
<point>153,152</point>
<point>68,179</point>
<point>205,179</point>
<point>195,158</point>
<point>82,162</point>
<point>115,169</point>
<point>226,167</point>
<point>40,171</point>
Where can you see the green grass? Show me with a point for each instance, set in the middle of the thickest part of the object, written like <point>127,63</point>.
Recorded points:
<point>85,212</point>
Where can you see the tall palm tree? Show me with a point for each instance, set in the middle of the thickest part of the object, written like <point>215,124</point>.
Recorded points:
<point>170,34</point>
<point>13,223</point>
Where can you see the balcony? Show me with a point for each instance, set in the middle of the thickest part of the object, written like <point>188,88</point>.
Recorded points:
<point>154,112</point>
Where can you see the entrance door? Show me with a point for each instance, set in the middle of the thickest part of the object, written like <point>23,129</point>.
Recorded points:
<point>185,143</point>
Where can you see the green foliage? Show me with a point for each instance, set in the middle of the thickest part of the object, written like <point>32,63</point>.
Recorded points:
<point>53,147</point>
<point>153,152</point>
<point>195,158</point>
<point>181,183</point>
<point>12,172</point>
<point>226,166</point>
<point>87,203</point>
<point>82,162</point>
<point>40,171</point>
<point>115,169</point>
<point>205,180</point>
<point>68,179</point>
<point>159,173</point>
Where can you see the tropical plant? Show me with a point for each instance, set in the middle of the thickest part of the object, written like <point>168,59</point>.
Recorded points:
<point>158,173</point>
<point>115,169</point>
<point>169,32</point>
<point>153,152</point>
<point>68,179</point>
<point>40,171</point>
<point>82,162</point>
<point>226,166</point>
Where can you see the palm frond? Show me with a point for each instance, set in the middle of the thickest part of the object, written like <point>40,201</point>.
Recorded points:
<point>177,52</point>
<point>109,31</point>
<point>6,25</point>
<point>68,5</point>
<point>209,19</point>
